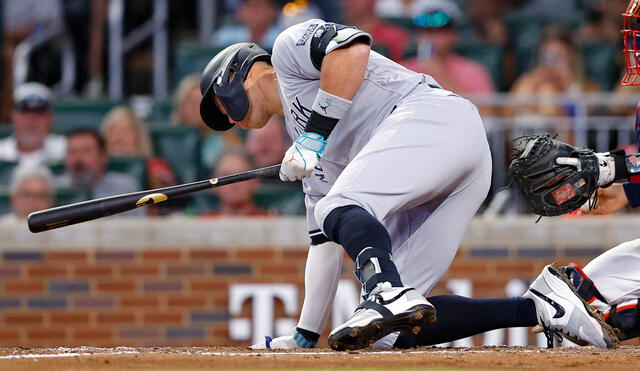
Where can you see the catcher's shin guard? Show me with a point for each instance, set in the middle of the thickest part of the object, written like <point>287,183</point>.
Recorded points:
<point>625,318</point>
<point>582,283</point>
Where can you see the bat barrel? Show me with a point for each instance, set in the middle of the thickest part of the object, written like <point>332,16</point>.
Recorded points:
<point>61,216</point>
<point>84,211</point>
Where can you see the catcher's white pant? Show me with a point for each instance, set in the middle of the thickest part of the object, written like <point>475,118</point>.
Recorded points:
<point>616,274</point>
<point>423,174</point>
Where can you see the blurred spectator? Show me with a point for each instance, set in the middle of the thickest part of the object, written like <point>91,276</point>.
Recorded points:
<point>558,70</point>
<point>258,23</point>
<point>30,189</point>
<point>361,13</point>
<point>394,8</point>
<point>486,18</point>
<point>486,23</point>
<point>19,20</point>
<point>437,39</point>
<point>268,144</point>
<point>187,113</point>
<point>603,21</point>
<point>85,24</point>
<point>236,199</point>
<point>86,167</point>
<point>32,119</point>
<point>126,135</point>
<point>298,11</point>
<point>549,10</point>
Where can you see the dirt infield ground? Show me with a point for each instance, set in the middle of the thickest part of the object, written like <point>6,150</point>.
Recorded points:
<point>203,358</point>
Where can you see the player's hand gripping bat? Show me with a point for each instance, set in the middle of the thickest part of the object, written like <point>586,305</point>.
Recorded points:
<point>93,209</point>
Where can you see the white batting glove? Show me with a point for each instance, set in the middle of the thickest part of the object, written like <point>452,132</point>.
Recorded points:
<point>302,157</point>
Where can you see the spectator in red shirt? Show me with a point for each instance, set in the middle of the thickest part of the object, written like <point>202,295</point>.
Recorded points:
<point>361,13</point>
<point>437,39</point>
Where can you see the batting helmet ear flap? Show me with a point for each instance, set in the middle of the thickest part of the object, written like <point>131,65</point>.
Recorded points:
<point>234,98</point>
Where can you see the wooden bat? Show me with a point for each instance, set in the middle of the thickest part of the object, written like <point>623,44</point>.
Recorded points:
<point>93,209</point>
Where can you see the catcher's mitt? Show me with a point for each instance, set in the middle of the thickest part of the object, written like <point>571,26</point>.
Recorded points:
<point>550,189</point>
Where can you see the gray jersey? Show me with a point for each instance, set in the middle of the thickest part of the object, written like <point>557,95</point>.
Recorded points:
<point>295,58</point>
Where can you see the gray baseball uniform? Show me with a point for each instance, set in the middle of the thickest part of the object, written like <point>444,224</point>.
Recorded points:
<point>409,152</point>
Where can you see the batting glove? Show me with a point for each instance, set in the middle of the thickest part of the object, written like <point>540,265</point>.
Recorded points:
<point>302,157</point>
<point>293,341</point>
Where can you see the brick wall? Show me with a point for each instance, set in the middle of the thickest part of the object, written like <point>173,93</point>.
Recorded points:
<point>119,294</point>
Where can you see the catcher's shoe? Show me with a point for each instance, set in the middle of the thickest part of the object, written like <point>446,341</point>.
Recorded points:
<point>561,311</point>
<point>386,310</point>
<point>293,341</point>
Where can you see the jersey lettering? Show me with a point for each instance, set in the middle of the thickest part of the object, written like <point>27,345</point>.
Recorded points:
<point>319,173</point>
<point>307,34</point>
<point>300,115</point>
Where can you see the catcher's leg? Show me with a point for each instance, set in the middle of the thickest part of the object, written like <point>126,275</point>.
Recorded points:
<point>616,274</point>
<point>611,283</point>
<point>626,318</point>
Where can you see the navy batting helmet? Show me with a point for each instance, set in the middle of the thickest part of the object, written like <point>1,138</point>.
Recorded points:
<point>237,58</point>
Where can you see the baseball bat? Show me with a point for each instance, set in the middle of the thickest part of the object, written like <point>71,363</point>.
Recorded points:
<point>79,212</point>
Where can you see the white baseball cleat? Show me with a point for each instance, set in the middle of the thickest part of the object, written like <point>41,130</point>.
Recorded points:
<point>386,310</point>
<point>559,309</point>
<point>292,341</point>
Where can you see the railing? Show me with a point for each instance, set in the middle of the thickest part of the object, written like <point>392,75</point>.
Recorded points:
<point>119,45</point>
<point>206,20</point>
<point>41,36</point>
<point>592,124</point>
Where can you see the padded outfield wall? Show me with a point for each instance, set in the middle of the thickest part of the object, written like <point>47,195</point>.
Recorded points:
<point>182,281</point>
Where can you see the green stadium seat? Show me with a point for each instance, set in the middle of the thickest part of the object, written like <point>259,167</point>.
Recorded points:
<point>56,167</point>
<point>380,49</point>
<point>526,33</point>
<point>192,59</point>
<point>79,113</point>
<point>404,22</point>
<point>135,166</point>
<point>6,170</point>
<point>488,54</point>
<point>598,59</point>
<point>283,199</point>
<point>180,147</point>
<point>66,196</point>
<point>5,130</point>
<point>5,206</point>
<point>161,111</point>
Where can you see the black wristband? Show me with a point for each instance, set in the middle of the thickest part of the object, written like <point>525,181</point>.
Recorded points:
<point>320,124</point>
<point>620,167</point>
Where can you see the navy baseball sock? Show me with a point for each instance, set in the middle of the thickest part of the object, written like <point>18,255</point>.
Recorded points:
<point>460,317</point>
<point>305,338</point>
<point>366,241</point>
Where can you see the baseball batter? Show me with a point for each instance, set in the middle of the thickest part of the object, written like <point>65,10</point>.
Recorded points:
<point>393,166</point>
<point>378,149</point>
